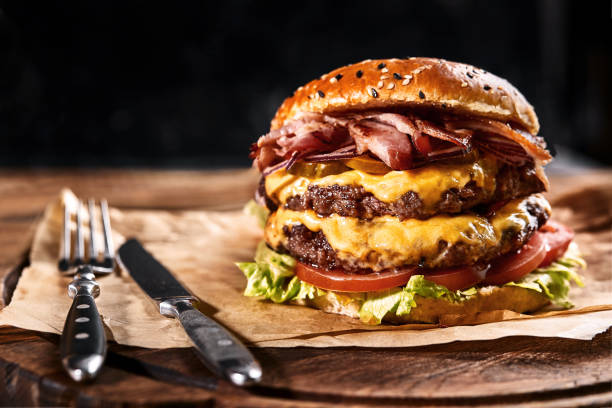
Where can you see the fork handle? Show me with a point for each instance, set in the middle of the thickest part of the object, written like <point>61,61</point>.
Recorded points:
<point>83,342</point>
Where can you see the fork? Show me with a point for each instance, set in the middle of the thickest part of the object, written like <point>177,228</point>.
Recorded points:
<point>83,342</point>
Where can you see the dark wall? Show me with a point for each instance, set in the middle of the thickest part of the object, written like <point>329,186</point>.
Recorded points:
<point>194,83</point>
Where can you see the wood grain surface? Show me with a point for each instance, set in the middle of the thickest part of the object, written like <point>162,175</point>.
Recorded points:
<point>513,371</point>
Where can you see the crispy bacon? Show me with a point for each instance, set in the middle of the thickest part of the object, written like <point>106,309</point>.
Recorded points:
<point>533,145</point>
<point>384,141</point>
<point>435,131</point>
<point>406,125</point>
<point>391,137</point>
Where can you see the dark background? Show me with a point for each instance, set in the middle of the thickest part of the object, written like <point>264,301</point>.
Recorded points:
<point>192,84</point>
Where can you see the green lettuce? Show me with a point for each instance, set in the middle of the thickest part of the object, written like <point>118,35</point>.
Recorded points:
<point>257,211</point>
<point>271,276</point>
<point>400,301</point>
<point>553,281</point>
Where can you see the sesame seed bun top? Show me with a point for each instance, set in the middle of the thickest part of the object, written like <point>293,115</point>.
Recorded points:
<point>408,83</point>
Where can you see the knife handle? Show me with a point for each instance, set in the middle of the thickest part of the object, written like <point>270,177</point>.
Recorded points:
<point>83,342</point>
<point>218,349</point>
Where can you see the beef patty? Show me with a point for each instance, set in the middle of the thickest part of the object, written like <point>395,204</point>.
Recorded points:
<point>355,201</point>
<point>313,247</point>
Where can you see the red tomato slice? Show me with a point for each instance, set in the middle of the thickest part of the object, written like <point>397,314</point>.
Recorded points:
<point>558,238</point>
<point>544,247</point>
<point>514,266</point>
<point>458,278</point>
<point>344,282</point>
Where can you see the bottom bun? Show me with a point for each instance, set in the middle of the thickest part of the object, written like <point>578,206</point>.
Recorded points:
<point>430,310</point>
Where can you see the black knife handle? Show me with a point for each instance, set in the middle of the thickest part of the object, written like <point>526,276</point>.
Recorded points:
<point>218,349</point>
<point>83,342</point>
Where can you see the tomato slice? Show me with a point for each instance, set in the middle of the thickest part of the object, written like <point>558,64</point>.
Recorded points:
<point>514,266</point>
<point>558,238</point>
<point>458,278</point>
<point>341,281</point>
<point>544,247</point>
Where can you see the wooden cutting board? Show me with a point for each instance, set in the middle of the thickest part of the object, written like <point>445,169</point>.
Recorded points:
<point>513,371</point>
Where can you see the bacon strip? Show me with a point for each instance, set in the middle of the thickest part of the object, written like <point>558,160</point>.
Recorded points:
<point>386,142</point>
<point>439,133</point>
<point>534,145</point>
<point>391,137</point>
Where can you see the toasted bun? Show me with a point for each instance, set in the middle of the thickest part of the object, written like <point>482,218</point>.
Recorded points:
<point>408,83</point>
<point>430,310</point>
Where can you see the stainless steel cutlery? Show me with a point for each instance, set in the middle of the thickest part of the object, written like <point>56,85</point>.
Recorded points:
<point>83,342</point>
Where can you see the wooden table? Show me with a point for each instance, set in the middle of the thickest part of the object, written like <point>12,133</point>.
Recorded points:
<point>513,371</point>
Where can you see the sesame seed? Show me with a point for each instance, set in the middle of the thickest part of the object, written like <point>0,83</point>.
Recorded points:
<point>470,75</point>
<point>381,65</point>
<point>309,97</point>
<point>385,70</point>
<point>463,84</point>
<point>444,105</point>
<point>359,73</point>
<point>406,81</point>
<point>380,84</point>
<point>397,76</point>
<point>382,77</point>
<point>321,94</point>
<point>338,77</point>
<point>486,87</point>
<point>421,95</point>
<point>408,76</point>
<point>373,92</point>
<point>391,85</point>
<point>333,80</point>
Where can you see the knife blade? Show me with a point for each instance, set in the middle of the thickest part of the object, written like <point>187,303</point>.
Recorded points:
<point>218,349</point>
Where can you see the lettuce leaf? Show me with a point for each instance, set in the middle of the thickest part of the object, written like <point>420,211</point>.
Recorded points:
<point>401,300</point>
<point>271,276</point>
<point>553,281</point>
<point>257,211</point>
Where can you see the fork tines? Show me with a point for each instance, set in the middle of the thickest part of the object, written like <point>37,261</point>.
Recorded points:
<point>68,263</point>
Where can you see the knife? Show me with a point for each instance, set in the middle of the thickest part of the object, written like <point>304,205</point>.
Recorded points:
<point>218,349</point>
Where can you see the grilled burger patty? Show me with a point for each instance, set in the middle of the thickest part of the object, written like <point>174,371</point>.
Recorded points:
<point>461,240</point>
<point>354,201</point>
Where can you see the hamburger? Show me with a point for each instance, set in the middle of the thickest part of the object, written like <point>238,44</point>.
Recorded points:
<point>403,190</point>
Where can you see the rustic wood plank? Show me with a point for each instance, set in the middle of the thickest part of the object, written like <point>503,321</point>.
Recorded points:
<point>314,375</point>
<point>515,371</point>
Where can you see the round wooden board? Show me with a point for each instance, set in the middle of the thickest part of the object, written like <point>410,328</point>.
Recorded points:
<point>512,371</point>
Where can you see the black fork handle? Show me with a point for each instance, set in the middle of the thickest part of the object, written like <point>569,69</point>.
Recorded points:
<point>83,342</point>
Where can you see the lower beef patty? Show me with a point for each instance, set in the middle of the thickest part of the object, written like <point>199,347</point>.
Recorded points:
<point>313,247</point>
<point>355,201</point>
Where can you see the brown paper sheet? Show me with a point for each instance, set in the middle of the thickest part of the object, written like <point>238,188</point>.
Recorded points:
<point>200,248</point>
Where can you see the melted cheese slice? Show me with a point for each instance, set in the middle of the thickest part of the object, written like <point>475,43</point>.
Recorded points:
<point>428,182</point>
<point>384,242</point>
